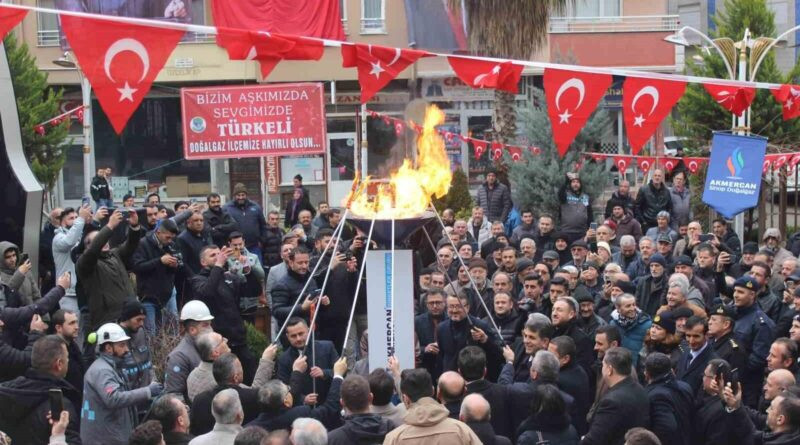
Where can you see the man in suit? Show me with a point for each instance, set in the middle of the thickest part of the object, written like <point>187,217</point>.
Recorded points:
<point>472,366</point>
<point>623,407</point>
<point>535,337</point>
<point>462,329</point>
<point>425,326</point>
<point>573,380</point>
<point>321,356</point>
<point>694,361</point>
<point>671,401</point>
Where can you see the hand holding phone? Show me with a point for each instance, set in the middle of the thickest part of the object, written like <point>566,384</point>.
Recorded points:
<point>56,402</point>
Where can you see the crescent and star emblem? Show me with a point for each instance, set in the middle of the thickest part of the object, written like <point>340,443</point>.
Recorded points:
<point>571,83</point>
<point>253,53</point>
<point>724,96</point>
<point>646,91</point>
<point>479,79</point>
<point>377,69</point>
<point>122,45</point>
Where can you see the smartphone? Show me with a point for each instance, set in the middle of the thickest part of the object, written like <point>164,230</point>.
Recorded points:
<point>315,294</point>
<point>593,226</point>
<point>193,200</point>
<point>85,201</point>
<point>56,403</point>
<point>706,237</point>
<point>24,257</point>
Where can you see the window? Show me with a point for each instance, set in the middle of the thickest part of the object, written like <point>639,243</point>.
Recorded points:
<point>595,8</point>
<point>373,17</point>
<point>343,14</point>
<point>47,25</point>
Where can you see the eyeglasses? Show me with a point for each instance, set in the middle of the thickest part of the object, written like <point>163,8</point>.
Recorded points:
<point>435,303</point>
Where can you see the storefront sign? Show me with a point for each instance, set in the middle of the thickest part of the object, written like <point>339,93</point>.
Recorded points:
<point>271,164</point>
<point>453,89</point>
<point>253,121</point>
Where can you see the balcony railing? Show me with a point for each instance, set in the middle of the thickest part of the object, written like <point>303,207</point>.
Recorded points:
<point>373,26</point>
<point>631,23</point>
<point>48,37</point>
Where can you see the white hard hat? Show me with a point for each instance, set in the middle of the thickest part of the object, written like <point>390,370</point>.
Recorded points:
<point>196,310</point>
<point>111,333</point>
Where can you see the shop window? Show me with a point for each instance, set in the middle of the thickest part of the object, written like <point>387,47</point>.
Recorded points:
<point>595,8</point>
<point>480,127</point>
<point>148,156</point>
<point>46,25</point>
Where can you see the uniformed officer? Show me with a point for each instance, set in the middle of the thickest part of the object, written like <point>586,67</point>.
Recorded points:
<point>720,328</point>
<point>754,333</point>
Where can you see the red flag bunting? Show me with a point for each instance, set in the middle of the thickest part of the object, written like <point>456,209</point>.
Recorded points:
<point>645,103</point>
<point>731,98</point>
<point>479,147</point>
<point>536,150</point>
<point>121,60</point>
<point>515,152</point>
<point>571,98</point>
<point>622,162</point>
<point>9,18</point>
<point>780,160</point>
<point>794,161</point>
<point>694,164</point>
<point>398,128</point>
<point>670,163</point>
<point>486,74</point>
<point>789,98</point>
<point>767,164</point>
<point>377,65</point>
<point>598,157</point>
<point>254,45</point>
<point>645,163</point>
<point>497,150</point>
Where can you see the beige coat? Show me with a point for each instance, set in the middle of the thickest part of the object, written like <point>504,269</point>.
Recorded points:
<point>427,422</point>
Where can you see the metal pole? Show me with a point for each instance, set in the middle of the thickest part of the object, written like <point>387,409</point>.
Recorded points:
<point>358,285</point>
<point>741,122</point>
<point>391,296</point>
<point>88,138</point>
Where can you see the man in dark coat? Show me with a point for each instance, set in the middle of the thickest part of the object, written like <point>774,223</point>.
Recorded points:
<point>670,400</point>
<point>218,221</point>
<point>156,263</point>
<point>573,380</point>
<point>693,362</point>
<point>220,291</point>
<point>191,241</point>
<point>278,409</point>
<point>273,239</point>
<point>651,199</point>
<point>287,291</point>
<point>624,405</point>
<point>721,322</point>
<point>228,374</point>
<point>536,336</point>
<point>494,198</point>
<point>462,329</point>
<point>564,317</point>
<point>65,325</point>
<point>622,197</point>
<point>426,326</point>
<point>711,422</point>
<point>25,401</point>
<point>321,356</point>
<point>472,366</point>
<point>250,218</point>
<point>360,426</point>
<point>476,412</point>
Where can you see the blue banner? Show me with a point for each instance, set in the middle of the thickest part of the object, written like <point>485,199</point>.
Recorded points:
<point>733,180</point>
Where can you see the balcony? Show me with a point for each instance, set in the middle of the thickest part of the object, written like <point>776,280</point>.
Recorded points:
<point>638,23</point>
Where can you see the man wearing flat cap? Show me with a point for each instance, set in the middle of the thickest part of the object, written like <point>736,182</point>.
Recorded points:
<point>754,332</point>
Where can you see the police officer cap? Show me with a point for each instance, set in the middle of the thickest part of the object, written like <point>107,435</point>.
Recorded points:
<point>682,312</point>
<point>725,311</point>
<point>747,282</point>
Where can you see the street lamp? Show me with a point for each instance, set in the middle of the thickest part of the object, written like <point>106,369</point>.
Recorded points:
<point>66,61</point>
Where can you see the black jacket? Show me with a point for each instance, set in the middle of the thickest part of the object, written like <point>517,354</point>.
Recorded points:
<point>651,293</point>
<point>573,380</point>
<point>584,354</point>
<point>554,430</point>
<point>486,434</point>
<point>271,246</point>
<point>77,367</point>
<point>728,349</point>
<point>496,395</point>
<point>616,199</point>
<point>175,438</point>
<point>220,224</point>
<point>671,412</point>
<point>623,407</point>
<point>286,292</point>
<point>361,429</point>
<point>522,364</point>
<point>454,336</point>
<point>25,403</point>
<point>712,425</point>
<point>650,201</point>
<point>99,188</point>
<point>190,245</point>
<point>154,279</point>
<point>322,355</point>
<point>220,291</point>
<point>202,421</point>
<point>693,373</point>
<point>425,328</point>
<point>510,325</point>
<point>327,412</point>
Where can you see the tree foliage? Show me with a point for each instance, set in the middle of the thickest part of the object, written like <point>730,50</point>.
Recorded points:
<point>37,102</point>
<point>698,115</point>
<point>536,178</point>
<point>458,197</point>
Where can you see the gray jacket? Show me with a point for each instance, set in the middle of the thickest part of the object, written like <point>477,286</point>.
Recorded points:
<point>25,284</point>
<point>63,242</point>
<point>248,301</point>
<point>681,207</point>
<point>108,413</point>
<point>137,364</point>
<point>496,203</point>
<point>180,362</point>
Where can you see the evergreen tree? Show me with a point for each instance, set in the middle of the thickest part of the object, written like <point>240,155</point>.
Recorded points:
<point>458,197</point>
<point>537,178</point>
<point>698,115</point>
<point>36,103</point>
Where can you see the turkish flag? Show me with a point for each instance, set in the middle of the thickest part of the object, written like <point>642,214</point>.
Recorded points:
<point>622,162</point>
<point>486,74</point>
<point>303,49</point>
<point>242,44</point>
<point>497,150</point>
<point>645,163</point>
<point>377,65</point>
<point>645,103</point>
<point>789,98</point>
<point>780,160</point>
<point>479,147</point>
<point>399,127</point>
<point>121,60</point>
<point>670,163</point>
<point>794,161</point>
<point>694,164</point>
<point>732,98</point>
<point>515,152</point>
<point>9,18</point>
<point>536,150</point>
<point>767,164</point>
<point>571,98</point>
<point>598,157</point>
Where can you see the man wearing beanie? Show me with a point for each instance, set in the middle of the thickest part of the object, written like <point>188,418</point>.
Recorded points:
<point>136,365</point>
<point>588,320</point>
<point>249,217</point>
<point>652,290</point>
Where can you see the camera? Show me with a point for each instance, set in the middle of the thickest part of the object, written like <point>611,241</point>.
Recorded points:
<point>170,249</point>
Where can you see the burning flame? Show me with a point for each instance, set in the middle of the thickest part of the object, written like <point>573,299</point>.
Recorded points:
<point>411,188</point>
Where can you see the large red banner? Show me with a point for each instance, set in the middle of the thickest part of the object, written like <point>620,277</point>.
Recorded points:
<point>253,121</point>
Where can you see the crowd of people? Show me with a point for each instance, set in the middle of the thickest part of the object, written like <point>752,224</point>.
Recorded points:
<point>628,323</point>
